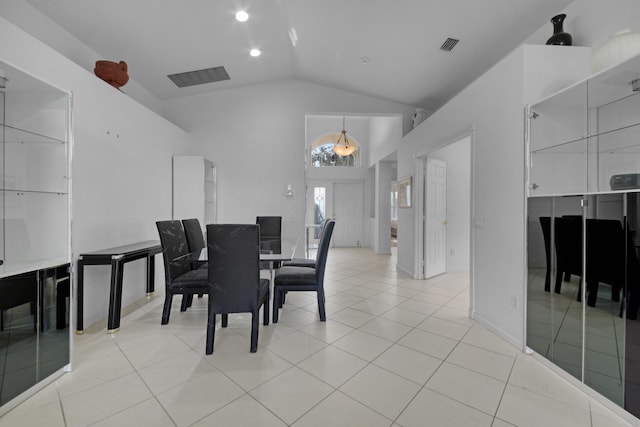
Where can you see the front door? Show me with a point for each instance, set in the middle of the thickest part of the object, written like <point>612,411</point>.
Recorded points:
<point>348,211</point>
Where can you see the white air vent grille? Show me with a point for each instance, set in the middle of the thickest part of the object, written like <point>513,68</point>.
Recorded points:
<point>449,44</point>
<point>199,77</point>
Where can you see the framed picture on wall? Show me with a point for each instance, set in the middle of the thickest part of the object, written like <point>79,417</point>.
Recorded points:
<point>404,192</point>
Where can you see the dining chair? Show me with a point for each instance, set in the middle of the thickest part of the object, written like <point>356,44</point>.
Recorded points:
<point>270,235</point>
<point>307,262</point>
<point>180,277</point>
<point>195,240</point>
<point>270,227</point>
<point>193,232</point>
<point>295,278</point>
<point>234,279</point>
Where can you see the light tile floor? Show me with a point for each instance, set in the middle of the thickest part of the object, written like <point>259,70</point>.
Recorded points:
<point>394,352</point>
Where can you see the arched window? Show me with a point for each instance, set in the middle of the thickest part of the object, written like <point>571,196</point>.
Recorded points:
<point>322,153</point>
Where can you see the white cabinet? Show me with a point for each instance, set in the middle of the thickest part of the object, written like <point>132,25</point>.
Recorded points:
<point>35,242</point>
<point>194,189</point>
<point>585,139</point>
<point>583,226</point>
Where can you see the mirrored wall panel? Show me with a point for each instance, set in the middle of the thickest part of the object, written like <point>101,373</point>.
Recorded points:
<point>584,268</point>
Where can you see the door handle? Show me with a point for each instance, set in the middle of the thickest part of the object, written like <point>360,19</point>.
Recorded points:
<point>445,222</point>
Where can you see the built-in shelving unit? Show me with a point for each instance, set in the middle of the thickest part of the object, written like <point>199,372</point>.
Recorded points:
<point>581,137</point>
<point>35,242</point>
<point>583,233</point>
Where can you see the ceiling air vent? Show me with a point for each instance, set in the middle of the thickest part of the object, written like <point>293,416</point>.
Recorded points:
<point>449,44</point>
<point>199,77</point>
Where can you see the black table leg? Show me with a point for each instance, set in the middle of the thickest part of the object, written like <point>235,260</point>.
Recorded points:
<point>80,297</point>
<point>115,295</point>
<point>151,274</point>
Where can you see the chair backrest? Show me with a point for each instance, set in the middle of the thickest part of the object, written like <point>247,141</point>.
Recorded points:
<point>174,245</point>
<point>193,231</point>
<point>270,226</point>
<point>606,251</point>
<point>568,242</point>
<point>234,267</point>
<point>323,251</point>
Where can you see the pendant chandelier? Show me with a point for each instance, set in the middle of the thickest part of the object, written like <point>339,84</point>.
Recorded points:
<point>344,146</point>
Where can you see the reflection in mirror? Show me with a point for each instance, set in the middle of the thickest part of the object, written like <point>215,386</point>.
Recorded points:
<point>554,311</point>
<point>53,341</point>
<point>604,325</point>
<point>18,337</point>
<point>539,275</point>
<point>632,295</point>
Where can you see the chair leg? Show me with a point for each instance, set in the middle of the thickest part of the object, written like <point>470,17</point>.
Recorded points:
<point>166,310</point>
<point>185,302</point>
<point>211,331</point>
<point>254,331</point>
<point>265,311</point>
<point>323,316</point>
<point>276,305</point>
<point>558,284</point>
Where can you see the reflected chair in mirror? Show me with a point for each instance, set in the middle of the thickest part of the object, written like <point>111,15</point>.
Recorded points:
<point>568,242</point>
<point>545,224</point>
<point>606,258</point>
<point>180,277</point>
<point>307,262</point>
<point>234,280</point>
<point>293,278</point>
<point>270,236</point>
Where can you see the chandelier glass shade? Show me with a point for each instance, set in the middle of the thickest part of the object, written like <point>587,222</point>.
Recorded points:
<point>344,147</point>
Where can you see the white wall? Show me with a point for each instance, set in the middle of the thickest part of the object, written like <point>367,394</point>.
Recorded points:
<point>381,241</point>
<point>385,136</point>
<point>457,156</point>
<point>121,165</point>
<point>493,107</point>
<point>256,137</point>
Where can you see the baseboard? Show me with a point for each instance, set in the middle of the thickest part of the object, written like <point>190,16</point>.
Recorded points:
<point>497,330</point>
<point>404,270</point>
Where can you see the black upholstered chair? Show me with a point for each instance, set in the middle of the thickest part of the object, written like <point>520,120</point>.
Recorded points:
<point>193,232</point>
<point>294,278</point>
<point>307,262</point>
<point>270,236</point>
<point>195,240</point>
<point>235,285</point>
<point>180,277</point>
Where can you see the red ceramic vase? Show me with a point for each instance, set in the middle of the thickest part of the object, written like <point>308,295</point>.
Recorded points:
<point>113,73</point>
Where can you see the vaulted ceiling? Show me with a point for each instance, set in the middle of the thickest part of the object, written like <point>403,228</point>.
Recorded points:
<point>389,49</point>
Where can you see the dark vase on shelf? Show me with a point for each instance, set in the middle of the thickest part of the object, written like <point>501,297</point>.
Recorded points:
<point>559,37</point>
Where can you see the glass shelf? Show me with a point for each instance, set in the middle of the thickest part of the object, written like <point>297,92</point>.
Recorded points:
<point>14,135</point>
<point>582,136</point>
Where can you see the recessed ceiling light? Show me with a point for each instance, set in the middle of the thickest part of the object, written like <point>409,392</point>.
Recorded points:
<point>255,52</point>
<point>242,16</point>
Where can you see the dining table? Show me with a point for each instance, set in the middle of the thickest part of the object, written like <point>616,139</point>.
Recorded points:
<point>272,251</point>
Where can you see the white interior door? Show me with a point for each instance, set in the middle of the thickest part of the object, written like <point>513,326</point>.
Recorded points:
<point>348,211</point>
<point>435,241</point>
